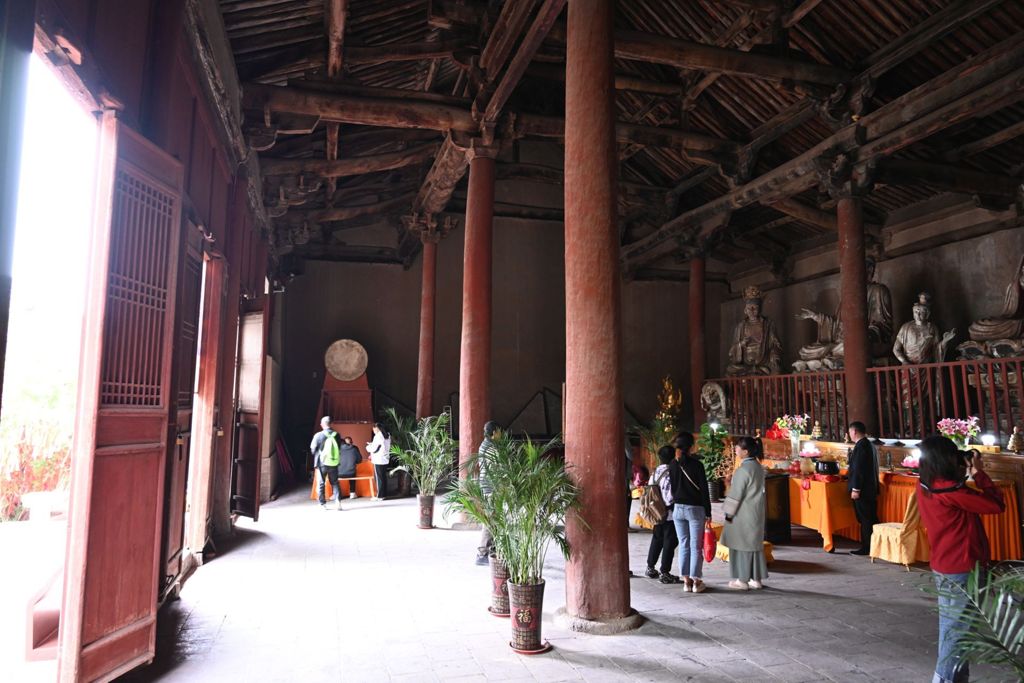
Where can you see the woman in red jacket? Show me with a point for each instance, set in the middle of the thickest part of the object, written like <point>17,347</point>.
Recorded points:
<point>951,513</point>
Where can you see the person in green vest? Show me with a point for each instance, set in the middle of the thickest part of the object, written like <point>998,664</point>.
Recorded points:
<point>326,456</point>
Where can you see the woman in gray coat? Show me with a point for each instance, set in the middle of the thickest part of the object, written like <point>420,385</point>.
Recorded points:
<point>744,518</point>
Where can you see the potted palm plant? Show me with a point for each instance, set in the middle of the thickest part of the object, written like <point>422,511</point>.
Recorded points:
<point>426,455</point>
<point>531,494</point>
<point>711,444</point>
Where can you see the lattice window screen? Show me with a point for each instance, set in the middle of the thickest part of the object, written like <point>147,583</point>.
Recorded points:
<point>250,365</point>
<point>141,231</point>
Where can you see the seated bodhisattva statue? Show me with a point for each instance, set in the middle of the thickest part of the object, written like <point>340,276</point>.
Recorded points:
<point>827,350</point>
<point>1002,336</point>
<point>918,341</point>
<point>756,349</point>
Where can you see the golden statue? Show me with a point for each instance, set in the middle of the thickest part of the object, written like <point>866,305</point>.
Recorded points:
<point>670,402</point>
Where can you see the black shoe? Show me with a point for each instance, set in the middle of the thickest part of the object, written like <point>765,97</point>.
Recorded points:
<point>651,573</point>
<point>860,551</point>
<point>668,578</point>
<point>482,561</point>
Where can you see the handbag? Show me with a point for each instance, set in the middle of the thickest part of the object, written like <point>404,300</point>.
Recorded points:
<point>710,542</point>
<point>652,506</point>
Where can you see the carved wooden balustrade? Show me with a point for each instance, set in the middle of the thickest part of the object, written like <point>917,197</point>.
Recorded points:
<point>909,399</point>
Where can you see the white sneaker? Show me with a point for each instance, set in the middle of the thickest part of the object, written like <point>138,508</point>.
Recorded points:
<point>351,495</point>
<point>738,585</point>
<point>755,584</point>
<point>337,506</point>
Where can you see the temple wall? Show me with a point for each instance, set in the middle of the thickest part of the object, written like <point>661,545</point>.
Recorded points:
<point>378,305</point>
<point>966,278</point>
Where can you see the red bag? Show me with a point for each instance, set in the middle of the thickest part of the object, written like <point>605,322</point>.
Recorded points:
<point>710,543</point>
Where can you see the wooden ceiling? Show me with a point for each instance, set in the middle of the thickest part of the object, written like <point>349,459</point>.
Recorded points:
<point>362,111</point>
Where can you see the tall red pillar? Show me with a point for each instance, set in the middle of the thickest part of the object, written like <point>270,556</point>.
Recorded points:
<point>428,306</point>
<point>597,581</point>
<point>698,370</point>
<point>854,311</point>
<point>475,359</point>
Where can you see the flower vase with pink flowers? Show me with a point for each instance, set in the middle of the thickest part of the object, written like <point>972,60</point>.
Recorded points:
<point>794,424</point>
<point>959,431</point>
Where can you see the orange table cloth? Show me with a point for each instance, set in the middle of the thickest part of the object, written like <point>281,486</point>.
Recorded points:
<point>827,509</point>
<point>823,506</point>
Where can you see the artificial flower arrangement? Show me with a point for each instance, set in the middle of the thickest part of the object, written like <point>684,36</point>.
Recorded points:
<point>774,432</point>
<point>911,461</point>
<point>793,423</point>
<point>960,431</point>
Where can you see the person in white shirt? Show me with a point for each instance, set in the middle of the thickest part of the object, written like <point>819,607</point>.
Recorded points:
<point>380,455</point>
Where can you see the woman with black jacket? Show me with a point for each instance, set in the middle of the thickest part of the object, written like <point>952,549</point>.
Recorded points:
<point>692,508</point>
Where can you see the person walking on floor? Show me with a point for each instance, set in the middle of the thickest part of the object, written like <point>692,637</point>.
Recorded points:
<point>326,455</point>
<point>690,511</point>
<point>863,484</point>
<point>744,510</point>
<point>491,431</point>
<point>380,455</point>
<point>663,538</point>
<point>951,512</point>
<point>350,457</point>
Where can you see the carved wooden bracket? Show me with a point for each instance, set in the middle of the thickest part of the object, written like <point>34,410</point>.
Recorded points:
<point>841,176</point>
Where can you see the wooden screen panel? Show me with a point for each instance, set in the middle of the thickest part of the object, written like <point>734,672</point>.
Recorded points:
<point>188,332</point>
<point>144,218</point>
<point>245,476</point>
<point>122,430</point>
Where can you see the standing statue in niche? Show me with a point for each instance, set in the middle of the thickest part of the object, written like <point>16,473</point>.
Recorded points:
<point>1002,336</point>
<point>918,341</point>
<point>755,349</point>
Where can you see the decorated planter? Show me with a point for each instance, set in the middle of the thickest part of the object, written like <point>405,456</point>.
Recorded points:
<point>499,588</point>
<point>426,511</point>
<point>526,607</point>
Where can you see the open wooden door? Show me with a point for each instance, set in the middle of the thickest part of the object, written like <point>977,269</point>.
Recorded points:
<point>190,282</point>
<point>245,479</point>
<point>125,394</point>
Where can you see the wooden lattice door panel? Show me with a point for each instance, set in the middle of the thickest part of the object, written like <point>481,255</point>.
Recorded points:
<point>245,476</point>
<point>125,394</point>
<point>186,342</point>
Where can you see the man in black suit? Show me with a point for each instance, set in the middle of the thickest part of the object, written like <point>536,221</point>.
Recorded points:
<point>863,484</point>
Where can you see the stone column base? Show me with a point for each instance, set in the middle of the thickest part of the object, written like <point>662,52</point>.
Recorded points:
<point>599,627</point>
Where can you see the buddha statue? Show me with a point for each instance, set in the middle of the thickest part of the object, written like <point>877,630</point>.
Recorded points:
<point>827,351</point>
<point>918,341</point>
<point>1003,335</point>
<point>756,349</point>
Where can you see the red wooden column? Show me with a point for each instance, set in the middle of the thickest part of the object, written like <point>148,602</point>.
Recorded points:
<point>428,303</point>
<point>475,358</point>
<point>698,370</point>
<point>854,310</point>
<point>597,580</point>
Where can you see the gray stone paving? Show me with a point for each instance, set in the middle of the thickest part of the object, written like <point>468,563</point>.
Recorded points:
<point>363,595</point>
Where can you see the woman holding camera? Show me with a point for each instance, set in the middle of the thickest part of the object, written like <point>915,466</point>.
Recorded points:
<point>951,512</point>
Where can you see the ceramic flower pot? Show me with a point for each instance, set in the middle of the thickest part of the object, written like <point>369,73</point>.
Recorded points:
<point>499,588</point>
<point>526,607</point>
<point>426,511</point>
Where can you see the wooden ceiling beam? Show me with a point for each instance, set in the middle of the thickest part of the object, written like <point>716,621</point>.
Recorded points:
<point>807,214</point>
<point>338,168</point>
<point>684,54</point>
<point>987,142</point>
<point>507,29</point>
<point>949,178</point>
<point>449,166</point>
<point>343,213</point>
<point>531,42</point>
<point>337,11</point>
<point>403,52</point>
<point>556,72</point>
<point>348,253</point>
<point>756,5</point>
<point>995,76</point>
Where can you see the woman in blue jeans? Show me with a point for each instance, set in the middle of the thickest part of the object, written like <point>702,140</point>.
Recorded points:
<point>691,510</point>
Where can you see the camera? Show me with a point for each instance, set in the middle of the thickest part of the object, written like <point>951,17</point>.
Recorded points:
<point>969,455</point>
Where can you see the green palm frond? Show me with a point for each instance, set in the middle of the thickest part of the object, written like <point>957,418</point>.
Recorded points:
<point>425,451</point>
<point>993,617</point>
<point>530,497</point>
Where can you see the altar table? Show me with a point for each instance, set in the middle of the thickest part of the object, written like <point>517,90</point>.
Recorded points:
<point>826,508</point>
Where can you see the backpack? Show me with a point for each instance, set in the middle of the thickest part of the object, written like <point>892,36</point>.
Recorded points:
<point>329,452</point>
<point>652,506</point>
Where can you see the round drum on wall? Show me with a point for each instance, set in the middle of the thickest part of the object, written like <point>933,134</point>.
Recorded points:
<point>346,360</point>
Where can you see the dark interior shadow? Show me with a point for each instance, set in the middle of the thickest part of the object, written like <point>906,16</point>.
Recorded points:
<point>798,567</point>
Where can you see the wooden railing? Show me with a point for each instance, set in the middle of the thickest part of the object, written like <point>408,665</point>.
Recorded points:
<point>909,399</point>
<point>347,405</point>
<point>754,402</point>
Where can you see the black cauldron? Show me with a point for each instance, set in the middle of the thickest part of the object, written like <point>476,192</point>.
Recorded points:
<point>826,467</point>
